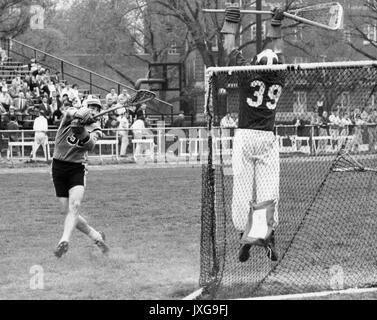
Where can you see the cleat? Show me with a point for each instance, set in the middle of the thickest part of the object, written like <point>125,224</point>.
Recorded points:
<point>244,253</point>
<point>61,249</point>
<point>270,248</point>
<point>101,244</point>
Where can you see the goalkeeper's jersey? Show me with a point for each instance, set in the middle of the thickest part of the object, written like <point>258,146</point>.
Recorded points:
<point>68,148</point>
<point>259,93</point>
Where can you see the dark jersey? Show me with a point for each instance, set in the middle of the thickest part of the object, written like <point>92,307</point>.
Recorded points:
<point>259,94</point>
<point>68,148</point>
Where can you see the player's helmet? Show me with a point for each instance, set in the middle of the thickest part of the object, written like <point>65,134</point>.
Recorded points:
<point>94,101</point>
<point>266,57</point>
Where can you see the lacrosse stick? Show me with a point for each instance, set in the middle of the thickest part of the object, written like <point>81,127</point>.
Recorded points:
<point>140,96</point>
<point>328,16</point>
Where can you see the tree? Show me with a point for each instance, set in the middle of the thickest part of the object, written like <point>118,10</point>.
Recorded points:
<point>50,39</point>
<point>14,17</point>
<point>363,24</point>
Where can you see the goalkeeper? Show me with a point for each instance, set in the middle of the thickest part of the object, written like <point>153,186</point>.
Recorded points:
<point>77,134</point>
<point>255,157</point>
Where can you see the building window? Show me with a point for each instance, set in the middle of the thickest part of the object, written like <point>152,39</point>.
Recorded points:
<point>297,34</point>
<point>347,35</point>
<point>300,103</point>
<point>254,31</point>
<point>370,32</point>
<point>190,71</point>
<point>215,44</point>
<point>173,48</point>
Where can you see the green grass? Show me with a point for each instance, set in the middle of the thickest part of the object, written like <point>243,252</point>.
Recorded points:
<point>152,221</point>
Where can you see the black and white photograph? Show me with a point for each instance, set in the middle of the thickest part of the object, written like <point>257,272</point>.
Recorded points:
<point>188,154</point>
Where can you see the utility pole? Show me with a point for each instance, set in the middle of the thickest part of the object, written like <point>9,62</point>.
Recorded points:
<point>259,26</point>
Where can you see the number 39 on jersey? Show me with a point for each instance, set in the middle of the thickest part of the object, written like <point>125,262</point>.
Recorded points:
<point>263,95</point>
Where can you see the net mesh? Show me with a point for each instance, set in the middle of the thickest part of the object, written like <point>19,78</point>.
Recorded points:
<point>325,237</point>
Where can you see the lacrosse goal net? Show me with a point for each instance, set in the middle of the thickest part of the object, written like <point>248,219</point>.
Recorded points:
<point>326,237</point>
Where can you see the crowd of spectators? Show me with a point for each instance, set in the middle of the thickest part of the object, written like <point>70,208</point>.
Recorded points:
<point>21,95</point>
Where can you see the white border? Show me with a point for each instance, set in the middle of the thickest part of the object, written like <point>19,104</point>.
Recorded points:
<point>319,294</point>
<point>194,295</point>
<point>313,294</point>
<point>295,67</point>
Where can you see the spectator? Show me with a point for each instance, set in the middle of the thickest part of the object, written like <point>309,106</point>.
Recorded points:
<point>138,128</point>
<point>112,123</point>
<point>3,56</point>
<point>142,109</point>
<point>5,98</point>
<point>20,103</point>
<point>65,98</point>
<point>320,105</point>
<point>47,75</point>
<point>54,101</point>
<point>323,129</point>
<point>132,114</point>
<point>57,115</point>
<point>364,115</point>
<point>334,123</point>
<point>226,122</point>
<point>372,130</point>
<point>51,88</point>
<point>17,81</point>
<point>111,97</point>
<point>123,97</point>
<point>55,78</point>
<point>345,124</point>
<point>14,128</point>
<point>33,67</point>
<point>45,108</point>
<point>40,128</point>
<point>75,92</point>
<point>2,110</point>
<point>124,126</point>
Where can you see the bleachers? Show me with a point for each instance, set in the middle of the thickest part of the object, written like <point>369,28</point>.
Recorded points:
<point>10,69</point>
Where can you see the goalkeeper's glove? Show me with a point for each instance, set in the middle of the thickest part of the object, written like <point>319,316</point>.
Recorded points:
<point>277,17</point>
<point>84,115</point>
<point>78,130</point>
<point>232,19</point>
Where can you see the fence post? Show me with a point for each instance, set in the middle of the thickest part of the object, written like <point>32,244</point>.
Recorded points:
<point>62,69</point>
<point>90,83</point>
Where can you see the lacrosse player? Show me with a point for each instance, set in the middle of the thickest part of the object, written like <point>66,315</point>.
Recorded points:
<point>255,157</point>
<point>77,134</point>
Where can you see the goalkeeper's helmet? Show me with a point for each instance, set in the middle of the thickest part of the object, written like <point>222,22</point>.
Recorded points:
<point>93,101</point>
<point>266,57</point>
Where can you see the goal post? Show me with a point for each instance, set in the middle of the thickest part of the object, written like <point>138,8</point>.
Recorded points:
<point>326,198</point>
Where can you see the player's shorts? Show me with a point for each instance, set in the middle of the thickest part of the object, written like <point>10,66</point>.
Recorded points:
<point>40,138</point>
<point>67,175</point>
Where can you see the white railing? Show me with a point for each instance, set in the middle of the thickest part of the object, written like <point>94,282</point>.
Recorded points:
<point>191,144</point>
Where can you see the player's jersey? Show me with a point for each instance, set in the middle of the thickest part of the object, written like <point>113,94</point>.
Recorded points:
<point>68,148</point>
<point>258,96</point>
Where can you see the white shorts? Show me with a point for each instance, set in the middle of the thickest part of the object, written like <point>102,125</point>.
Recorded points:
<point>40,138</point>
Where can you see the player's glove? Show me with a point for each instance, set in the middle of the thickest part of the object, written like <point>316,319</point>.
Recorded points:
<point>78,129</point>
<point>84,115</point>
<point>232,19</point>
<point>277,17</point>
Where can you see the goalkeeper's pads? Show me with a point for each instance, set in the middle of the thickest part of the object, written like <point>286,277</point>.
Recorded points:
<point>277,17</point>
<point>260,224</point>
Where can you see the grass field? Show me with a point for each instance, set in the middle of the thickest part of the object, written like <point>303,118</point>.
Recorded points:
<point>151,219</point>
